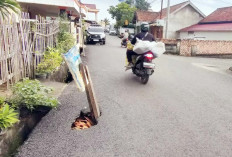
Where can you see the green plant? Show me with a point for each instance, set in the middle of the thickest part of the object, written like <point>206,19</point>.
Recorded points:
<point>64,24</point>
<point>122,12</point>
<point>31,94</point>
<point>2,100</point>
<point>8,5</point>
<point>65,41</point>
<point>8,117</point>
<point>107,22</point>
<point>52,60</point>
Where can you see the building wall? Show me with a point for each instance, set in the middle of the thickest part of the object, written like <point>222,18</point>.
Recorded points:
<point>185,17</point>
<point>205,47</point>
<point>48,5</point>
<point>207,35</point>
<point>63,3</point>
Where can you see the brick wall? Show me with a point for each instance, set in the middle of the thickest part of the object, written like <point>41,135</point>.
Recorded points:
<point>205,47</point>
<point>169,41</point>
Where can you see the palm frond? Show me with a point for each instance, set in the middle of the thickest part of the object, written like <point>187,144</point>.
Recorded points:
<point>8,5</point>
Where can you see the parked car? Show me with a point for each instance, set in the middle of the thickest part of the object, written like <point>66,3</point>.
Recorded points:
<point>106,30</point>
<point>113,32</point>
<point>95,34</point>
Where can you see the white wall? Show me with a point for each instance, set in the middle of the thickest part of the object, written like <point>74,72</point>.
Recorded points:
<point>207,35</point>
<point>185,17</point>
<point>63,3</point>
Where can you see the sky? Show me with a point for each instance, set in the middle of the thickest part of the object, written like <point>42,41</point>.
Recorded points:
<point>205,6</point>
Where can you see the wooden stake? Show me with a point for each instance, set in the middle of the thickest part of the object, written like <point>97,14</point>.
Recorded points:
<point>93,105</point>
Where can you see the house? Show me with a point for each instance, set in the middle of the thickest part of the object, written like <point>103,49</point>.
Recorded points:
<point>216,26</point>
<point>181,15</point>
<point>53,8</point>
<point>144,16</point>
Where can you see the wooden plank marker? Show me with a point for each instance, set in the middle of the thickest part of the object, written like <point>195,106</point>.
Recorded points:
<point>93,105</point>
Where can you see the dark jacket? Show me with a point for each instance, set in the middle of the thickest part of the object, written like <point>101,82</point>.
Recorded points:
<point>141,35</point>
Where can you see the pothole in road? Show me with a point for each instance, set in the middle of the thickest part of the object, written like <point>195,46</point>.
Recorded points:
<point>84,121</point>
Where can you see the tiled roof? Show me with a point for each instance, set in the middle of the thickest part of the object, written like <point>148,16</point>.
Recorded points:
<point>91,6</point>
<point>219,15</point>
<point>152,16</point>
<point>173,8</point>
<point>146,16</point>
<point>208,28</point>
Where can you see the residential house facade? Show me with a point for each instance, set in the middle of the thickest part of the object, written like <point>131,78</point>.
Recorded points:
<point>53,8</point>
<point>181,15</point>
<point>216,26</point>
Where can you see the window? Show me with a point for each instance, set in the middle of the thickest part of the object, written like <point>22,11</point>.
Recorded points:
<point>96,29</point>
<point>190,32</point>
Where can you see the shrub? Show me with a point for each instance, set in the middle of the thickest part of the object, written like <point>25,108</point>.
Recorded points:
<point>52,60</point>
<point>31,94</point>
<point>65,41</point>
<point>8,117</point>
<point>2,100</point>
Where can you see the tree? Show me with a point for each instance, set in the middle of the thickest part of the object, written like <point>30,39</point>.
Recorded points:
<point>8,5</point>
<point>130,2</point>
<point>107,22</point>
<point>139,4</point>
<point>142,5</point>
<point>121,13</point>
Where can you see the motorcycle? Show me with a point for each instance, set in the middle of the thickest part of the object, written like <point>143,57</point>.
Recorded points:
<point>143,66</point>
<point>124,42</point>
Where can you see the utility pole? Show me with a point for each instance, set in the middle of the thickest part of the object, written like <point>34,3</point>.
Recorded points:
<point>168,12</point>
<point>80,31</point>
<point>162,2</point>
<point>80,19</point>
<point>160,35</point>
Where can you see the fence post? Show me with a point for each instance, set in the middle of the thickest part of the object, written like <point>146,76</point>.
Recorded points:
<point>33,65</point>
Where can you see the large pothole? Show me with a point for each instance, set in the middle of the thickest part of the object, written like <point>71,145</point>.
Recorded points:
<point>84,121</point>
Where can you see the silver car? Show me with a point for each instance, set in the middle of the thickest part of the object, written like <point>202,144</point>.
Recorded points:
<point>113,32</point>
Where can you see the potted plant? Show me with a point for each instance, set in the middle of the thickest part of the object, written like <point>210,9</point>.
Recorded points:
<point>41,71</point>
<point>8,117</point>
<point>52,60</point>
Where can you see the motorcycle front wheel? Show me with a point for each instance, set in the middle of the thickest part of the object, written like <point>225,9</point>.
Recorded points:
<point>144,79</point>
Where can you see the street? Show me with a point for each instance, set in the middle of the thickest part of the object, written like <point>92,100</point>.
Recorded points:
<point>184,110</point>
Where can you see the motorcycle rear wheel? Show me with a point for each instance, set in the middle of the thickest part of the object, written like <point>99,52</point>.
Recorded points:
<point>145,79</point>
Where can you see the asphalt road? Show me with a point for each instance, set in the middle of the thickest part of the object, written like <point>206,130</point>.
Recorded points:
<point>184,110</point>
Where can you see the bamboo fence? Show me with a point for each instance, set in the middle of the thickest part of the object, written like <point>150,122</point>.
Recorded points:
<point>23,42</point>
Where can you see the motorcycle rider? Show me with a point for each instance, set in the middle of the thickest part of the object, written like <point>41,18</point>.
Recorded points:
<point>126,35</point>
<point>143,35</point>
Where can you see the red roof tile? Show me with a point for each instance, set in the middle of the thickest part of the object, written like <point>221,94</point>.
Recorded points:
<point>91,6</point>
<point>152,16</point>
<point>173,8</point>
<point>208,28</point>
<point>146,16</point>
<point>219,15</point>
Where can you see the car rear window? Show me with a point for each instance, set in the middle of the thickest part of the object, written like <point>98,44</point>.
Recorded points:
<point>96,29</point>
